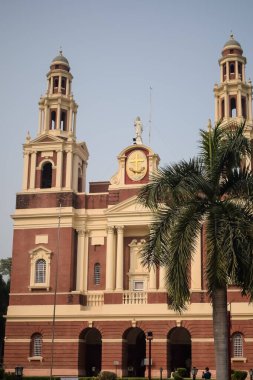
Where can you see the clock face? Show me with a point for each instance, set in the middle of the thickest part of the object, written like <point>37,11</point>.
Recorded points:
<point>136,165</point>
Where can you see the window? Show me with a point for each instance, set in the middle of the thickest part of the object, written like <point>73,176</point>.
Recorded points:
<point>237,345</point>
<point>40,271</point>
<point>138,285</point>
<point>36,346</point>
<point>233,112</point>
<point>40,259</point>
<point>97,274</point>
<point>46,176</point>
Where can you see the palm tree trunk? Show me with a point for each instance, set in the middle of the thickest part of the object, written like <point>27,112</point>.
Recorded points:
<point>220,332</point>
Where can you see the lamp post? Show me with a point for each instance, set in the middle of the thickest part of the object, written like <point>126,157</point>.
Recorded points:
<point>19,372</point>
<point>161,373</point>
<point>116,363</point>
<point>194,372</point>
<point>149,337</point>
<point>251,373</point>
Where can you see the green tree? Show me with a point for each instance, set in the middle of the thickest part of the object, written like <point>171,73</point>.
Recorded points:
<point>214,192</point>
<point>5,270</point>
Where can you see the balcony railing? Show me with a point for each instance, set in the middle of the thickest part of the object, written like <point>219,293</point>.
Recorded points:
<point>135,298</point>
<point>95,299</point>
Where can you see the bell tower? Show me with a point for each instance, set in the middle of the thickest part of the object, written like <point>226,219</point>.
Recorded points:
<point>233,96</point>
<point>54,161</point>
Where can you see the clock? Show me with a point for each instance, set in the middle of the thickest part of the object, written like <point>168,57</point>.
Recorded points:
<point>136,165</point>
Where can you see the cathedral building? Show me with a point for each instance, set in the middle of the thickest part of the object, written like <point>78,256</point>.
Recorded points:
<point>80,300</point>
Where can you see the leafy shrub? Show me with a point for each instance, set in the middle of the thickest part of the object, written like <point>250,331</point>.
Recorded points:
<point>107,375</point>
<point>176,375</point>
<point>182,372</point>
<point>239,375</point>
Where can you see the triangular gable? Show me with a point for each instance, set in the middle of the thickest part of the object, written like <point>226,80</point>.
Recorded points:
<point>46,139</point>
<point>130,205</point>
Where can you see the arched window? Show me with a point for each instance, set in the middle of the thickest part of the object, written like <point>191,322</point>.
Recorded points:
<point>233,107</point>
<point>36,345</point>
<point>40,271</point>
<point>63,85</point>
<point>53,120</point>
<point>97,274</point>
<point>55,85</point>
<point>63,121</point>
<point>237,345</point>
<point>46,176</point>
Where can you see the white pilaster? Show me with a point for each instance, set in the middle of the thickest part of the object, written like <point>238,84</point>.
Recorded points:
<point>152,278</point>
<point>25,171</point>
<point>69,169</point>
<point>120,250</point>
<point>32,170</point>
<point>80,260</point>
<point>85,261</point>
<point>162,275</point>
<point>59,169</point>
<point>110,258</point>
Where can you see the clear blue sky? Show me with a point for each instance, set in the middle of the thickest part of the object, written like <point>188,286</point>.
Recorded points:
<point>117,49</point>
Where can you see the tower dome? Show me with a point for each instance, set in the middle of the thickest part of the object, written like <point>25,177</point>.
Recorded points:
<point>60,62</point>
<point>232,47</point>
<point>232,42</point>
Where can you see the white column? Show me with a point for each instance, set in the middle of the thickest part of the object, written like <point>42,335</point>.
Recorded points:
<point>58,117</point>
<point>59,169</point>
<point>59,84</point>
<point>40,121</point>
<point>46,125</point>
<point>216,108</point>
<point>25,171</point>
<point>120,251</point>
<point>162,275</point>
<point>70,121</point>
<point>69,169</point>
<point>80,259</point>
<point>51,85</point>
<point>67,87</point>
<point>250,105</point>
<point>74,126</point>
<point>236,70</point>
<point>226,103</point>
<point>196,266</point>
<point>152,278</point>
<point>239,102</point>
<point>227,71</point>
<point>32,170</point>
<point>75,173</point>
<point>110,258</point>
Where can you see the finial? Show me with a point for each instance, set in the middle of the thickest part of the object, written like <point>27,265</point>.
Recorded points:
<point>28,137</point>
<point>231,35</point>
<point>60,51</point>
<point>138,130</point>
<point>209,125</point>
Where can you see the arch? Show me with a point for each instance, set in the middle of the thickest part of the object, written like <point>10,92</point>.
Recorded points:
<point>46,175</point>
<point>63,120</point>
<point>90,352</point>
<point>52,120</point>
<point>179,349</point>
<point>63,85</point>
<point>133,352</point>
<point>237,345</point>
<point>40,271</point>
<point>233,112</point>
<point>97,272</point>
<point>36,345</point>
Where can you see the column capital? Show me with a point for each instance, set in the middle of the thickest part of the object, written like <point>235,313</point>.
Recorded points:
<point>80,231</point>
<point>119,228</point>
<point>110,229</point>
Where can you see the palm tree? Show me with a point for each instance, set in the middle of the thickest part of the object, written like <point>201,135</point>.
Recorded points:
<point>210,194</point>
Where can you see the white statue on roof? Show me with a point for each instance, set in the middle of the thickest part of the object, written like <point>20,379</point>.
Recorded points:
<point>138,130</point>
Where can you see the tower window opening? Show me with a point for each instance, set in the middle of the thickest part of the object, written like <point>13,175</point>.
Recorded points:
<point>63,121</point>
<point>55,84</point>
<point>239,70</point>
<point>53,120</point>
<point>231,51</point>
<point>232,70</point>
<point>224,71</point>
<point>97,274</point>
<point>63,85</point>
<point>80,181</point>
<point>46,176</point>
<point>222,108</point>
<point>233,112</point>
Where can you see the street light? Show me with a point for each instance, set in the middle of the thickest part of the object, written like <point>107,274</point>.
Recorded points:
<point>116,363</point>
<point>149,337</point>
<point>251,373</point>
<point>194,372</point>
<point>161,373</point>
<point>19,372</point>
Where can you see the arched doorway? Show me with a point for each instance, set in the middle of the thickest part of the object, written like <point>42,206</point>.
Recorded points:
<point>179,349</point>
<point>133,352</point>
<point>90,352</point>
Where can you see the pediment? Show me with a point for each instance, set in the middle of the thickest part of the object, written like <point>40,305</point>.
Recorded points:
<point>46,139</point>
<point>129,206</point>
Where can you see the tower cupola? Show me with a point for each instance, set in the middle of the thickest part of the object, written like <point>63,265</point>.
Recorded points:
<point>233,95</point>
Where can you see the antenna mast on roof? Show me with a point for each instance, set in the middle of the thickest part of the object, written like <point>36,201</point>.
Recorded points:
<point>150,114</point>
